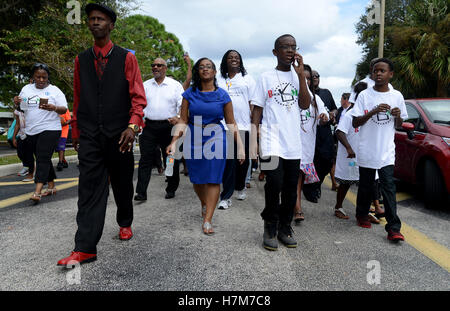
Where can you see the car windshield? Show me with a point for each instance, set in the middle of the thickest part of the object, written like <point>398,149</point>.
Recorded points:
<point>438,111</point>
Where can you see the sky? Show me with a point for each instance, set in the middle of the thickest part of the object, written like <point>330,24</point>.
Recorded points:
<point>324,31</point>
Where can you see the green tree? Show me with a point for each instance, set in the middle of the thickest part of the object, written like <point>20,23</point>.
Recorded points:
<point>149,39</point>
<point>417,40</point>
<point>420,49</point>
<point>47,37</point>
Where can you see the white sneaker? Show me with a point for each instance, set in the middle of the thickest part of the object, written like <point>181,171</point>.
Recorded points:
<point>23,172</point>
<point>223,204</point>
<point>241,195</point>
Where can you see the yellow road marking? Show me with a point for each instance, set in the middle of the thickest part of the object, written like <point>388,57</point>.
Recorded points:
<point>16,183</point>
<point>26,196</point>
<point>402,196</point>
<point>430,248</point>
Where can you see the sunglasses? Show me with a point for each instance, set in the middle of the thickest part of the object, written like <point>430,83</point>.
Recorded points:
<point>316,76</point>
<point>157,65</point>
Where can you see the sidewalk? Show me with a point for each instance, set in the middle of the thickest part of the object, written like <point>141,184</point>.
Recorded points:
<point>10,169</point>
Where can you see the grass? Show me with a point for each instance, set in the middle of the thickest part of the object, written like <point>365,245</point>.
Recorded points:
<point>13,159</point>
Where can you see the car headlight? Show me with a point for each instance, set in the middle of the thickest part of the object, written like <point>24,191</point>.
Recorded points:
<point>447,140</point>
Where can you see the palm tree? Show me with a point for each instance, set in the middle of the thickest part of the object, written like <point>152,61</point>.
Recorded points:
<point>420,50</point>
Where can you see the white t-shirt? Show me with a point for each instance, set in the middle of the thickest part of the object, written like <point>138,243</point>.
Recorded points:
<point>163,100</point>
<point>277,93</point>
<point>308,125</point>
<point>342,162</point>
<point>39,120</point>
<point>370,84</point>
<point>376,141</point>
<point>241,90</point>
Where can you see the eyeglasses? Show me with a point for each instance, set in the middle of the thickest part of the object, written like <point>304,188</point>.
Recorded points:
<point>205,67</point>
<point>289,47</point>
<point>157,65</point>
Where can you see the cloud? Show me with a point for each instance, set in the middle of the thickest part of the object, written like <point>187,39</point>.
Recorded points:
<point>324,31</point>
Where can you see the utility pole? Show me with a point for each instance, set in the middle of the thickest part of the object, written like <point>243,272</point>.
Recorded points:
<point>381,37</point>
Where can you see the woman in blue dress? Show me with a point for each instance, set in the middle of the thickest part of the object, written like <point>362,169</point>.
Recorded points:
<point>204,105</point>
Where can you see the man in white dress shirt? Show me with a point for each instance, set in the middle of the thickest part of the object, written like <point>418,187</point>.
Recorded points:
<point>163,106</point>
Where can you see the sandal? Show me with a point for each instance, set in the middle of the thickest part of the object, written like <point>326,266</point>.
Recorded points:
<point>299,218</point>
<point>49,191</point>
<point>339,213</point>
<point>207,228</point>
<point>36,197</point>
<point>373,219</point>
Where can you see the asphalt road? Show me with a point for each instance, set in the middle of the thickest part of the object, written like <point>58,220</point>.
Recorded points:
<point>169,252</point>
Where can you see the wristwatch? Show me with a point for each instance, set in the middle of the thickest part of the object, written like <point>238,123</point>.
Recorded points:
<point>134,127</point>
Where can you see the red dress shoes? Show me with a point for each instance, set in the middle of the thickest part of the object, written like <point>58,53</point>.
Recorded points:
<point>125,233</point>
<point>77,258</point>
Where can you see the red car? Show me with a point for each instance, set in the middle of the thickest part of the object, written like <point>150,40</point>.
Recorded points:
<point>423,148</point>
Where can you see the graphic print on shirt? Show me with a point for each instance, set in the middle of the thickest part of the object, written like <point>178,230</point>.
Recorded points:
<point>382,118</point>
<point>33,101</point>
<point>285,94</point>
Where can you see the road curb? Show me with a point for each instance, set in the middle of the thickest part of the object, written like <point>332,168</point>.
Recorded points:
<point>11,169</point>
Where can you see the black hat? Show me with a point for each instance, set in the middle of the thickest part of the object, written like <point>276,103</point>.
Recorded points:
<point>103,8</point>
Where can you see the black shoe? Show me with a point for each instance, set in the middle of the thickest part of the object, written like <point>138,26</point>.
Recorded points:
<point>59,167</point>
<point>285,235</point>
<point>65,164</point>
<point>170,195</point>
<point>269,239</point>
<point>140,197</point>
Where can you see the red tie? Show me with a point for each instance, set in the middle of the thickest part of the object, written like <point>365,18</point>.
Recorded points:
<point>101,63</point>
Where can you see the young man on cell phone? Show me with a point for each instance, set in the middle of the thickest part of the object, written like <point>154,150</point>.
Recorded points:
<point>280,94</point>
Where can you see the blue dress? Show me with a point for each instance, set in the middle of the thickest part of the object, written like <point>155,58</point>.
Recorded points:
<point>204,147</point>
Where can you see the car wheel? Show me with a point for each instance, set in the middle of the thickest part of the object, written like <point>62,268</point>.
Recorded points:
<point>434,190</point>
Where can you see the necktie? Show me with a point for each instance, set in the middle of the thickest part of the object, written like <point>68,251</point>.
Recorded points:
<point>101,63</point>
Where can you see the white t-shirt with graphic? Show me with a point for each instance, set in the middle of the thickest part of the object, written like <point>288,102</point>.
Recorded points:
<point>342,162</point>
<point>308,125</point>
<point>241,90</point>
<point>277,93</point>
<point>38,120</point>
<point>376,141</point>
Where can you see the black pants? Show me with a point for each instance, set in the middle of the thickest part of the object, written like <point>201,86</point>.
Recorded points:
<point>43,145</point>
<point>235,174</point>
<point>155,133</point>
<point>387,188</point>
<point>25,153</point>
<point>99,159</point>
<point>282,181</point>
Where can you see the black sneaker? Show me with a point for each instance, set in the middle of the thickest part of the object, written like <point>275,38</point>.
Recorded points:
<point>285,235</point>
<point>270,232</point>
<point>59,167</point>
<point>140,197</point>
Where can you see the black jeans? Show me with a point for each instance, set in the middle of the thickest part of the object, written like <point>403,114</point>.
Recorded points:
<point>101,162</point>
<point>43,145</point>
<point>155,134</point>
<point>234,174</point>
<point>387,188</point>
<point>282,181</point>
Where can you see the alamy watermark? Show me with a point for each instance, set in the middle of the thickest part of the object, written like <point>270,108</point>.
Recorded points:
<point>74,15</point>
<point>373,277</point>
